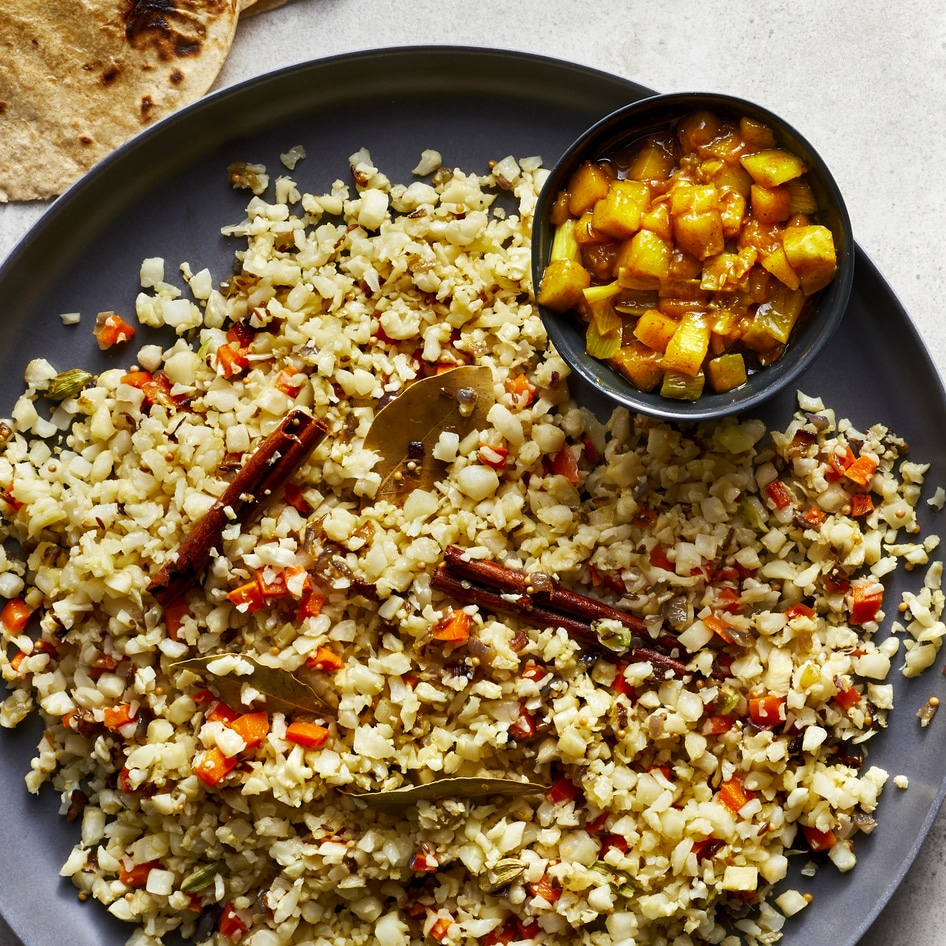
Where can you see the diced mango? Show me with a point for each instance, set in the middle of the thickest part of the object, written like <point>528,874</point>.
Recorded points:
<point>778,265</point>
<point>653,161</point>
<point>687,349</point>
<point>757,135</point>
<point>657,220</point>
<point>726,372</point>
<point>771,204</point>
<point>811,253</point>
<point>773,166</point>
<point>645,256</point>
<point>698,129</point>
<point>700,234</point>
<point>640,365</point>
<point>587,185</point>
<point>655,329</point>
<point>562,285</point>
<point>619,212</point>
<point>732,212</point>
<point>586,232</point>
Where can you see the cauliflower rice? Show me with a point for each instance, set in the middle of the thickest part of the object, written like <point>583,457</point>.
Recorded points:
<point>667,805</point>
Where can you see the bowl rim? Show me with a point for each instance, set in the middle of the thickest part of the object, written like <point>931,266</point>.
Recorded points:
<point>659,111</point>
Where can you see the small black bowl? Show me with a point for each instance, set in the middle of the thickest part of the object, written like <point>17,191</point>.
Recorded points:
<point>659,113</point>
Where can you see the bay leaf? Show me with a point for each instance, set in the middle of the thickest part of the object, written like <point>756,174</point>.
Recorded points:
<point>405,431</point>
<point>460,787</point>
<point>282,691</point>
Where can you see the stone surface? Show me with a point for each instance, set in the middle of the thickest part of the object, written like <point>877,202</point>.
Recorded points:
<point>862,79</point>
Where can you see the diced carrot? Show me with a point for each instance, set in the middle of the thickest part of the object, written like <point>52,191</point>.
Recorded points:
<point>453,627</point>
<point>16,661</point>
<point>766,710</point>
<point>253,727</point>
<point>111,329</point>
<point>248,596</point>
<point>545,889</point>
<point>288,381</point>
<point>441,928</point>
<point>561,791</point>
<point>522,390</point>
<point>212,766</point>
<point>307,735</point>
<point>862,504</point>
<point>325,659</point>
<point>114,717</point>
<point>861,471</point>
<point>15,615</point>
<point>818,840</point>
<point>232,361</point>
<point>719,627</point>
<point>564,463</point>
<point>174,615</point>
<point>733,795</point>
<point>137,379</point>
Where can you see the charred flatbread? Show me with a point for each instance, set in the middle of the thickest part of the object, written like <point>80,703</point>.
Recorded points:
<point>80,77</point>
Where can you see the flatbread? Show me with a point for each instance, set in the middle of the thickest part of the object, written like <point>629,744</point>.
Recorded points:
<point>80,77</point>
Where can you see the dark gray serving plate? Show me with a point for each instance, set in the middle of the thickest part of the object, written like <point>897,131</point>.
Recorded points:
<point>166,194</point>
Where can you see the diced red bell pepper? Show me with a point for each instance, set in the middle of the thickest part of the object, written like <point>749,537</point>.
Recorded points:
<point>524,727</point>
<point>837,464</point>
<point>706,848</point>
<point>288,381</point>
<point>564,463</point>
<point>613,841</point>
<point>220,712</point>
<point>533,671</point>
<point>867,598</point>
<point>135,875</point>
<point>494,457</point>
<point>658,558</point>
<point>799,610</point>
<point>453,627</point>
<point>719,627</point>
<point>562,790</point>
<point>717,725</point>
<point>778,492</point>
<point>817,840</point>
<point>847,697</point>
<point>232,925</point>
<point>241,333</point>
<point>295,498</point>
<point>814,517</point>
<point>174,615</point>
<point>424,863</point>
<point>212,766</point>
<point>15,615</point>
<point>307,735</point>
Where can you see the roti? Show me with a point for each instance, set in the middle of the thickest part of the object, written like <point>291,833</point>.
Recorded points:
<point>80,77</point>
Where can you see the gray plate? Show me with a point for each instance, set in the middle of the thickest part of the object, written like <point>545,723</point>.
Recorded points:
<point>166,194</point>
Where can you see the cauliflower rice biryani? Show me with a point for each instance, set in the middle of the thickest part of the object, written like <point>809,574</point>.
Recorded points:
<point>348,625</point>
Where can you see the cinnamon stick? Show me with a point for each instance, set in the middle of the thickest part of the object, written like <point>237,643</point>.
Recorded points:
<point>267,470</point>
<point>539,601</point>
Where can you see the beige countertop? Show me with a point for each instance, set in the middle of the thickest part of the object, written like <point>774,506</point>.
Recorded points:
<point>863,80</point>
